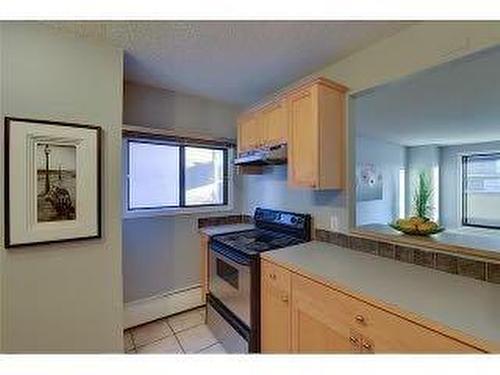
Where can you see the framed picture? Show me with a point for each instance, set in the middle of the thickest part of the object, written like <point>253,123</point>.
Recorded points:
<point>52,182</point>
<point>369,183</point>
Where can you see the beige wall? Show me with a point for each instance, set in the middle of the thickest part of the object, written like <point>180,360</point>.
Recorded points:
<point>413,49</point>
<point>161,254</point>
<point>159,108</point>
<point>65,298</point>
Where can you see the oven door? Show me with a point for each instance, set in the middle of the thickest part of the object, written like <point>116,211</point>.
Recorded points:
<point>230,279</point>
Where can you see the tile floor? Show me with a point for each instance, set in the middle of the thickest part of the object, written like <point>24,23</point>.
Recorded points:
<point>182,333</point>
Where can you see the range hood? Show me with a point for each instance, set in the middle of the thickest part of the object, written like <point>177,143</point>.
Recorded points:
<point>263,156</point>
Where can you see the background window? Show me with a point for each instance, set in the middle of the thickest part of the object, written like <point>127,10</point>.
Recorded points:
<point>174,175</point>
<point>153,175</point>
<point>481,190</point>
<point>204,176</point>
<point>402,193</point>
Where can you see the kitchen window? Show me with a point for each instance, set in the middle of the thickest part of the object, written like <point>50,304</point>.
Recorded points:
<point>481,190</point>
<point>164,176</point>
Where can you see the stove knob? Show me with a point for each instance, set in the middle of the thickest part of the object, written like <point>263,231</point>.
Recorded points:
<point>293,220</point>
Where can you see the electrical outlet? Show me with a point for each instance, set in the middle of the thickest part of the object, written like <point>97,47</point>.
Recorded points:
<point>334,223</point>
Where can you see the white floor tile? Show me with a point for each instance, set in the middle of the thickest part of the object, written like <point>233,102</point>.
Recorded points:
<point>214,349</point>
<point>186,320</point>
<point>150,332</point>
<point>168,345</point>
<point>194,339</point>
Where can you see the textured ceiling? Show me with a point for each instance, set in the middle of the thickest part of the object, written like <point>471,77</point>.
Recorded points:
<point>454,103</point>
<point>237,62</point>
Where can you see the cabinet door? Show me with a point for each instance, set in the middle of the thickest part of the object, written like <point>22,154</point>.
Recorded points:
<point>315,327</point>
<point>383,332</point>
<point>250,132</point>
<point>326,320</point>
<point>275,123</point>
<point>303,139</point>
<point>246,133</point>
<point>275,309</point>
<point>204,266</point>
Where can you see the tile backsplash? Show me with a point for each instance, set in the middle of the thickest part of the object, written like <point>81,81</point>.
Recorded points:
<point>224,220</point>
<point>449,263</point>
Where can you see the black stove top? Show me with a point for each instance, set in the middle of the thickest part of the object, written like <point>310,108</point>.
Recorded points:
<point>274,230</point>
<point>257,240</point>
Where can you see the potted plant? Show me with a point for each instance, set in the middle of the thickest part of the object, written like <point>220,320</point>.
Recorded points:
<point>420,223</point>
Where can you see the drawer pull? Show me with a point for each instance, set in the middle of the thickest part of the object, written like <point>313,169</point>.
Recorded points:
<point>360,318</point>
<point>367,346</point>
<point>272,276</point>
<point>284,298</point>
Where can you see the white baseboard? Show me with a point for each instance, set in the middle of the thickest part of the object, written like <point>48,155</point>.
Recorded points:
<point>156,307</point>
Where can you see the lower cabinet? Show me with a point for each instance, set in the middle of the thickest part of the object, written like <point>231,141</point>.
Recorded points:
<point>315,324</point>
<point>204,239</point>
<point>275,309</point>
<point>300,315</point>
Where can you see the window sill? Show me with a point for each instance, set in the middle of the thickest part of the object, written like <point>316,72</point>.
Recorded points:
<point>137,214</point>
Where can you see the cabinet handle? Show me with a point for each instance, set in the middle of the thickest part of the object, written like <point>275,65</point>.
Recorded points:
<point>353,340</point>
<point>367,346</point>
<point>360,318</point>
<point>284,298</point>
<point>272,276</point>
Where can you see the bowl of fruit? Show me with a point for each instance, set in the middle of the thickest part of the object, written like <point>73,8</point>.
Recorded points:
<point>417,226</point>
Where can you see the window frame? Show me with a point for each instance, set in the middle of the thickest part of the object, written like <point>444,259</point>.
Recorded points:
<point>463,175</point>
<point>181,208</point>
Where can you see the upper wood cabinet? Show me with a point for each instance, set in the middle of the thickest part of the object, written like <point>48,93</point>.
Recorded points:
<point>317,136</point>
<point>275,123</point>
<point>251,132</point>
<point>310,119</point>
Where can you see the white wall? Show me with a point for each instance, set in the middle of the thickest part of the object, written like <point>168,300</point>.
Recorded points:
<point>390,159</point>
<point>270,190</point>
<point>161,254</point>
<point>159,108</point>
<point>413,49</point>
<point>65,298</point>
<point>328,208</point>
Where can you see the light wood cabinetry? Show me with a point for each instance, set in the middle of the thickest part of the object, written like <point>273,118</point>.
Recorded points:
<point>250,132</point>
<point>320,319</point>
<point>316,127</point>
<point>369,328</point>
<point>310,119</point>
<point>315,327</point>
<point>275,309</point>
<point>275,123</point>
<point>204,265</point>
<point>303,135</point>
<point>265,127</point>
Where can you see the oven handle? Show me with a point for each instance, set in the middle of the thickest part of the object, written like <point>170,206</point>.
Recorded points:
<point>232,255</point>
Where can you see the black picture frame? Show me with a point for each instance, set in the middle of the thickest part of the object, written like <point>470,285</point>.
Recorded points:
<point>7,209</point>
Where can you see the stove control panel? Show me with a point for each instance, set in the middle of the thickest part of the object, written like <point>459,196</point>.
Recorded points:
<point>288,219</point>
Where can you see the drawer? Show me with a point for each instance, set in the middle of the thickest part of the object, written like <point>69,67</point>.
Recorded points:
<point>275,276</point>
<point>382,332</point>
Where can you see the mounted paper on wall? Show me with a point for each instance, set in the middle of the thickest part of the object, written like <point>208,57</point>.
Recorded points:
<point>52,184</point>
<point>369,182</point>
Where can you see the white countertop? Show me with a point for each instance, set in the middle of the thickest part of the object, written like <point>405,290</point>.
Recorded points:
<point>222,229</point>
<point>461,303</point>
